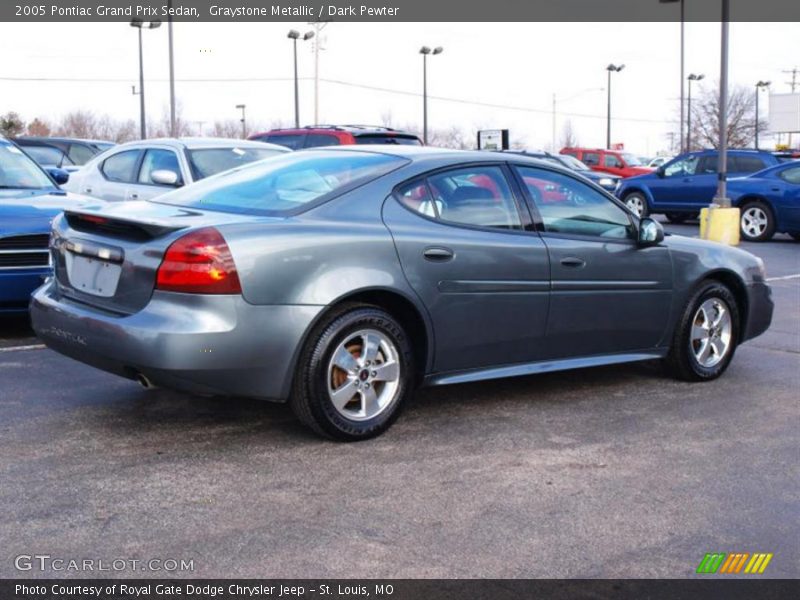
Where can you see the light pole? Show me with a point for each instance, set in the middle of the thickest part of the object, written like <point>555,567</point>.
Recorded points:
<point>759,85</point>
<point>294,36</point>
<point>425,51</point>
<point>721,198</point>
<point>610,69</point>
<point>172,131</point>
<point>244,123</point>
<point>682,61</point>
<point>139,24</point>
<point>692,77</point>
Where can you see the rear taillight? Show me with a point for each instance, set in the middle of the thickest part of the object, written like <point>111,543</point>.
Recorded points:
<point>200,262</point>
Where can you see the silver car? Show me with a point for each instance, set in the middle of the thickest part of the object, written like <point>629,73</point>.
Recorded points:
<point>341,278</point>
<point>147,169</point>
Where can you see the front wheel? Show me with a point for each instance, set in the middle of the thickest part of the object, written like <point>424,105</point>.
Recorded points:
<point>706,336</point>
<point>637,204</point>
<point>355,374</point>
<point>757,222</point>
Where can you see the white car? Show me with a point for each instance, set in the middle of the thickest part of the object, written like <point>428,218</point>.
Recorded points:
<point>146,169</point>
<point>658,161</point>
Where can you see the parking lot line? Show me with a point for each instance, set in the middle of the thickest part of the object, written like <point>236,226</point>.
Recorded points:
<point>784,277</point>
<point>18,348</point>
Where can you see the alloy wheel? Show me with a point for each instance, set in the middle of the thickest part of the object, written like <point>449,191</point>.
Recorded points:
<point>636,204</point>
<point>712,331</point>
<point>754,221</point>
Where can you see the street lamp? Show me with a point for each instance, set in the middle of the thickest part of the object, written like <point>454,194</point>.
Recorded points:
<point>692,77</point>
<point>682,55</point>
<point>759,85</point>
<point>244,123</point>
<point>139,24</point>
<point>425,51</point>
<point>294,36</point>
<point>611,69</point>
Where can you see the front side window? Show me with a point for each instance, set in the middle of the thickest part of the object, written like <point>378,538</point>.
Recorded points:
<point>157,159</point>
<point>479,196</point>
<point>683,167</point>
<point>206,162</point>
<point>567,206</point>
<point>609,160</point>
<point>119,167</point>
<point>18,171</point>
<point>791,175</point>
<point>285,184</point>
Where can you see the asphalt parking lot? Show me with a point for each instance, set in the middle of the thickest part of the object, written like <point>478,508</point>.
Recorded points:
<point>607,472</point>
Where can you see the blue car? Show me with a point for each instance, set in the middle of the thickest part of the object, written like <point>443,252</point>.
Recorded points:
<point>29,199</point>
<point>769,201</point>
<point>681,187</point>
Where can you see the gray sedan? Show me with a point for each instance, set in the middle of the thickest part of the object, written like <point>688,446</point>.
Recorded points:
<point>146,169</point>
<point>341,279</point>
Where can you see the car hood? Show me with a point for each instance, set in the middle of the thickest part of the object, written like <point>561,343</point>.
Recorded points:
<point>33,210</point>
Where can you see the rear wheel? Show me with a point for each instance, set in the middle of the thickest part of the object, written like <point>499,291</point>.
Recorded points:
<point>706,336</point>
<point>679,217</point>
<point>757,222</point>
<point>355,374</point>
<point>637,203</point>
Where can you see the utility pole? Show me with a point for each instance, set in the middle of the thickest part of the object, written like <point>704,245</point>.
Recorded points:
<point>721,198</point>
<point>172,131</point>
<point>318,45</point>
<point>793,83</point>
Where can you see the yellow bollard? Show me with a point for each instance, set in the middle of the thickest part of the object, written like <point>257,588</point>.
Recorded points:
<point>720,225</point>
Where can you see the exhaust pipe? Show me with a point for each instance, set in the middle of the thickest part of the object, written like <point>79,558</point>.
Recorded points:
<point>143,381</point>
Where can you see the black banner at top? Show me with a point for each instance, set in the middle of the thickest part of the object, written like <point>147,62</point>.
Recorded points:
<point>398,10</point>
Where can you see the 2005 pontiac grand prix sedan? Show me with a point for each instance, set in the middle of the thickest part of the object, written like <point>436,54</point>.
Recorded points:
<point>341,279</point>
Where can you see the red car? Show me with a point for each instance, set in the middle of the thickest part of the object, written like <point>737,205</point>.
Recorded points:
<point>615,162</point>
<point>314,136</point>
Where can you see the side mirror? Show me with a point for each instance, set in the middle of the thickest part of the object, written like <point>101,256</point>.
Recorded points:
<point>164,177</point>
<point>650,232</point>
<point>60,176</point>
<point>660,171</point>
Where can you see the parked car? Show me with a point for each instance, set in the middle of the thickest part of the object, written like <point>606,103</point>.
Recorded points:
<point>622,164</point>
<point>683,186</point>
<point>336,135</point>
<point>29,199</point>
<point>340,279</point>
<point>787,155</point>
<point>658,161</point>
<point>64,153</point>
<point>146,169</point>
<point>605,180</point>
<point>769,202</point>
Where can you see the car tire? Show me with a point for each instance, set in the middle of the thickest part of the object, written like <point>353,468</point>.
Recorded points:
<point>637,204</point>
<point>705,337</point>
<point>677,217</point>
<point>757,223</point>
<point>340,393</point>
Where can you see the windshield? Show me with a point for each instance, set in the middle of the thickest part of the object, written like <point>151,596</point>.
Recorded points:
<point>17,171</point>
<point>206,162</point>
<point>632,161</point>
<point>286,183</point>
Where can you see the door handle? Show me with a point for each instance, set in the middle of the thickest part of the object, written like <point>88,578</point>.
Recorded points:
<point>776,189</point>
<point>134,196</point>
<point>573,261</point>
<point>87,190</point>
<point>438,254</point>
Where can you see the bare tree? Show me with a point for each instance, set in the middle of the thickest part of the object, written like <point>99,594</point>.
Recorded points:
<point>39,127</point>
<point>229,128</point>
<point>11,124</point>
<point>741,118</point>
<point>568,137</point>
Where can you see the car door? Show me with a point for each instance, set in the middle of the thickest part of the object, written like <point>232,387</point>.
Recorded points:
<point>154,159</point>
<point>672,186</point>
<point>613,164</point>
<point>701,187</point>
<point>484,278</point>
<point>607,294</point>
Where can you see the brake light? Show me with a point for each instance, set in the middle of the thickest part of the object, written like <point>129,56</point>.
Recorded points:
<point>200,262</point>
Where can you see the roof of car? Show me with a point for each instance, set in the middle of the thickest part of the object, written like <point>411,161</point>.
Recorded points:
<point>193,143</point>
<point>45,139</point>
<point>355,130</point>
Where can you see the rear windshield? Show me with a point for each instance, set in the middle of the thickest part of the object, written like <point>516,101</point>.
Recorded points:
<point>285,184</point>
<point>206,162</point>
<point>381,138</point>
<point>292,141</point>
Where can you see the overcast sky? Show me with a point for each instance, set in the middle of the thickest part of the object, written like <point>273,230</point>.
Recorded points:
<point>516,64</point>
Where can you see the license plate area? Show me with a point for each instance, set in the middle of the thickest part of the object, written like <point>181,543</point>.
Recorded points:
<point>92,275</point>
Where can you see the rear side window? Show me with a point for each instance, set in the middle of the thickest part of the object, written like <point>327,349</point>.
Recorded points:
<point>791,175</point>
<point>157,159</point>
<point>295,142</point>
<point>748,164</point>
<point>285,184</point>
<point>591,158</point>
<point>119,167</point>
<point>316,140</point>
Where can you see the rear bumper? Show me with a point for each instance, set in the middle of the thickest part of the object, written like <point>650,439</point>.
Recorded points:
<point>759,310</point>
<point>195,343</point>
<point>16,286</point>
